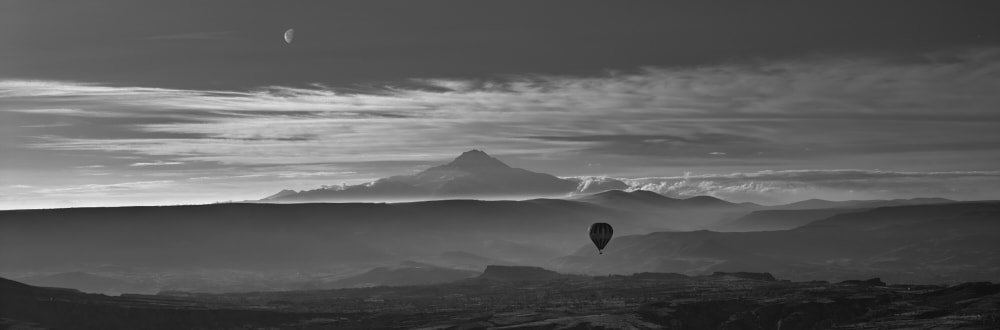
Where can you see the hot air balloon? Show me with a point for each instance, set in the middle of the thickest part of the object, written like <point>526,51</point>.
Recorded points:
<point>289,35</point>
<point>601,233</point>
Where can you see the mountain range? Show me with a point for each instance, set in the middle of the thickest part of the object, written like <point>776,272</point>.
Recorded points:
<point>911,243</point>
<point>253,246</point>
<point>273,246</point>
<point>825,204</point>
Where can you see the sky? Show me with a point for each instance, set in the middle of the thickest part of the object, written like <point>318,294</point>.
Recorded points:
<point>110,103</point>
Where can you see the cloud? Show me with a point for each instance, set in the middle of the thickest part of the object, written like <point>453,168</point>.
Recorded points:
<point>156,163</point>
<point>785,186</point>
<point>65,112</point>
<point>589,185</point>
<point>801,109</point>
<point>227,177</point>
<point>47,125</point>
<point>934,112</point>
<point>50,111</point>
<point>77,91</point>
<point>828,175</point>
<point>99,188</point>
<point>312,174</point>
<point>793,185</point>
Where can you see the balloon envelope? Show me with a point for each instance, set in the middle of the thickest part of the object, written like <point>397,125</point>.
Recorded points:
<point>600,234</point>
<point>289,35</point>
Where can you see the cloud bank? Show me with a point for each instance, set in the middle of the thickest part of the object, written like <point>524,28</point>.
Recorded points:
<point>932,113</point>
<point>778,187</point>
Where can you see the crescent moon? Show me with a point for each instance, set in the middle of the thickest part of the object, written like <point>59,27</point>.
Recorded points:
<point>289,35</point>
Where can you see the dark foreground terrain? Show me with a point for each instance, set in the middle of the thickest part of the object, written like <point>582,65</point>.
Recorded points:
<point>508,297</point>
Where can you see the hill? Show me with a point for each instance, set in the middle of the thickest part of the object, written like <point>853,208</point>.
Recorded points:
<point>408,273</point>
<point>261,246</point>
<point>780,219</point>
<point>242,245</point>
<point>859,204</point>
<point>919,243</point>
<point>518,273</point>
<point>692,213</point>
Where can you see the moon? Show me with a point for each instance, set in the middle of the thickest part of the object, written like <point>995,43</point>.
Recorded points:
<point>289,35</point>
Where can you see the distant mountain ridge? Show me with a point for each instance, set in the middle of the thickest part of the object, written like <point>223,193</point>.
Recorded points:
<point>407,273</point>
<point>691,213</point>
<point>792,215</point>
<point>924,243</point>
<point>781,219</point>
<point>825,204</point>
<point>518,273</point>
<point>326,238</point>
<point>474,174</point>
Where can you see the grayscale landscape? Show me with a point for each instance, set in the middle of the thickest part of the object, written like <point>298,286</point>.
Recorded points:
<point>443,164</point>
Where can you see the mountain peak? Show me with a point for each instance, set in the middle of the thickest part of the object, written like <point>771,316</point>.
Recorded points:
<point>474,174</point>
<point>282,193</point>
<point>476,159</point>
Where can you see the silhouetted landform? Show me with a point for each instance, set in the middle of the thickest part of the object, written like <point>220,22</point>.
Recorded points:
<point>692,213</point>
<point>870,282</point>
<point>241,247</point>
<point>859,204</point>
<point>765,220</point>
<point>748,275</point>
<point>474,174</point>
<point>466,260</point>
<point>916,244</point>
<point>171,247</point>
<point>645,198</point>
<point>788,216</point>
<point>264,237</point>
<point>91,282</point>
<point>28,307</point>
<point>247,247</point>
<point>640,301</point>
<point>518,273</point>
<point>408,273</point>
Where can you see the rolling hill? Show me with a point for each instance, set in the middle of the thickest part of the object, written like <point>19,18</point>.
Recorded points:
<point>916,243</point>
<point>220,242</point>
<point>263,246</point>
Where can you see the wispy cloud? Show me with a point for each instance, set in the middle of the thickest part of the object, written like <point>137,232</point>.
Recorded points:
<point>156,163</point>
<point>312,174</point>
<point>770,187</point>
<point>839,175</point>
<point>70,90</point>
<point>929,113</point>
<point>98,188</point>
<point>830,106</point>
